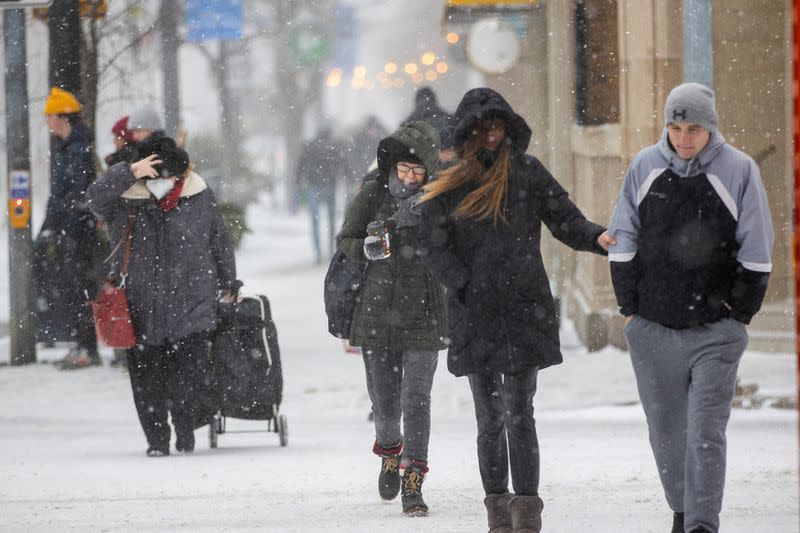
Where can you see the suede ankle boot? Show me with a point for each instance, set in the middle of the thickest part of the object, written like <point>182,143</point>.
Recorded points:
<point>526,514</point>
<point>498,512</point>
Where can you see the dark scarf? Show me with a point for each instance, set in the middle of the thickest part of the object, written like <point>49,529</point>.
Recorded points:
<point>407,199</point>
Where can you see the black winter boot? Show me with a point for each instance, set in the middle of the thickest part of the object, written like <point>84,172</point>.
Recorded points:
<point>677,523</point>
<point>498,512</point>
<point>389,478</point>
<point>411,494</point>
<point>526,514</point>
<point>184,441</point>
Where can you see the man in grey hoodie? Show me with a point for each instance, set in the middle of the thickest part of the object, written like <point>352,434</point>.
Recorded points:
<point>690,269</point>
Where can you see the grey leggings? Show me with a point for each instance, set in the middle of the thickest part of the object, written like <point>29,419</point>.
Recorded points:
<point>686,380</point>
<point>399,385</point>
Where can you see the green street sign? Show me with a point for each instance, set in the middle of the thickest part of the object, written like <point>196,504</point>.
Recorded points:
<point>309,44</point>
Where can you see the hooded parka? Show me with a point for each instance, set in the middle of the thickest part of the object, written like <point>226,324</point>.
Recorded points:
<point>501,313</point>
<point>179,258</point>
<point>401,305</point>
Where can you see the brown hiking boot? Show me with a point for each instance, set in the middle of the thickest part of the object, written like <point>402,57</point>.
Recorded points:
<point>413,504</point>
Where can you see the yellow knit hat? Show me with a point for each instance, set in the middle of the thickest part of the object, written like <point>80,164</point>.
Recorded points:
<point>61,102</point>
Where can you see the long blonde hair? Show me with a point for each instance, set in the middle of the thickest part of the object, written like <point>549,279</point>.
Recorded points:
<point>489,198</point>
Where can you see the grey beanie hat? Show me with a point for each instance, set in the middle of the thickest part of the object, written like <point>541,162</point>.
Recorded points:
<point>691,102</point>
<point>145,118</point>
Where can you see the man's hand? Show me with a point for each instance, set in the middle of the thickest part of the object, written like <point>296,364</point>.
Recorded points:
<point>628,319</point>
<point>144,168</point>
<point>605,240</point>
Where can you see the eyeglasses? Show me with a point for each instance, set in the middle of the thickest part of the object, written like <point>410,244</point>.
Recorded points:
<point>404,169</point>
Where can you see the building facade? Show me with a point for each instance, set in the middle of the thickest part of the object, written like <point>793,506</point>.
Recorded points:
<point>592,81</point>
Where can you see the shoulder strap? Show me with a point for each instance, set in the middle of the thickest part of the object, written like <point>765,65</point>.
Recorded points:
<point>128,244</point>
<point>127,238</point>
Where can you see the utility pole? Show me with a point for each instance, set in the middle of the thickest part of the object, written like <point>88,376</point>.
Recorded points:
<point>230,136</point>
<point>63,23</point>
<point>698,62</point>
<point>169,63</point>
<point>21,325</point>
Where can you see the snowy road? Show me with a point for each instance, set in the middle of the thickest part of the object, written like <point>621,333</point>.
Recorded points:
<point>72,453</point>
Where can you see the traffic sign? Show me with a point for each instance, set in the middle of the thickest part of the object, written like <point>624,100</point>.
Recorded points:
<point>214,19</point>
<point>309,44</point>
<point>21,4</point>
<point>19,198</point>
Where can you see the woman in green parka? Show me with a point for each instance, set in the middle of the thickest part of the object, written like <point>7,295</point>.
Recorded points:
<point>400,320</point>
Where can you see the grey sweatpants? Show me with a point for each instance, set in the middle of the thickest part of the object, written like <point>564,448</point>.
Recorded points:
<point>399,384</point>
<point>686,380</point>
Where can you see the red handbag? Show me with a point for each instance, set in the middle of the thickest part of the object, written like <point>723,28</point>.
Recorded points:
<point>112,317</point>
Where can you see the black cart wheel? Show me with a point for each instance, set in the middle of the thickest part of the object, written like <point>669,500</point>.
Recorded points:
<point>283,430</point>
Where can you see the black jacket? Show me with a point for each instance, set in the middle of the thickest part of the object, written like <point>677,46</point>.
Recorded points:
<point>321,163</point>
<point>179,258</point>
<point>72,171</point>
<point>694,238</point>
<point>501,314</point>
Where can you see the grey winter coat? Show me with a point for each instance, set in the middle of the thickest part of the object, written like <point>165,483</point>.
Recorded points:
<point>179,258</point>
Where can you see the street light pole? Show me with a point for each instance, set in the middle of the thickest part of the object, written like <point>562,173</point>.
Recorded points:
<point>698,63</point>
<point>170,42</point>
<point>21,325</point>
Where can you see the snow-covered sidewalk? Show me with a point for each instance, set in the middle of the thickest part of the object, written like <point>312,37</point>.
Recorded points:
<point>72,452</point>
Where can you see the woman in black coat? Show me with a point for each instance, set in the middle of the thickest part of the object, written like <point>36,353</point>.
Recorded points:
<point>181,257</point>
<point>482,231</point>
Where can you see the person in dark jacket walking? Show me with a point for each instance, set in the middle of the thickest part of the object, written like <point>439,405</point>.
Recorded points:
<point>427,109</point>
<point>690,269</point>
<point>320,166</point>
<point>480,234</point>
<point>71,227</point>
<point>181,258</point>
<point>399,321</point>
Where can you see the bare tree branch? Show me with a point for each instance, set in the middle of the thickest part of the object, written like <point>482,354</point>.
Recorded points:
<point>133,42</point>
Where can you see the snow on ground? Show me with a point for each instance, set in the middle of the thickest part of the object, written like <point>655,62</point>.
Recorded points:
<point>72,452</point>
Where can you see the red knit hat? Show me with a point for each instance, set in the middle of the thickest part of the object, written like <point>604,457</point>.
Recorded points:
<point>120,129</point>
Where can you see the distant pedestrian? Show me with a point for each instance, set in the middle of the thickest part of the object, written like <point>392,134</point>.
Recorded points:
<point>690,269</point>
<point>482,222</point>
<point>399,321</point>
<point>427,109</point>
<point>70,226</point>
<point>320,166</point>
<point>122,139</point>
<point>145,123</point>
<point>181,260</point>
